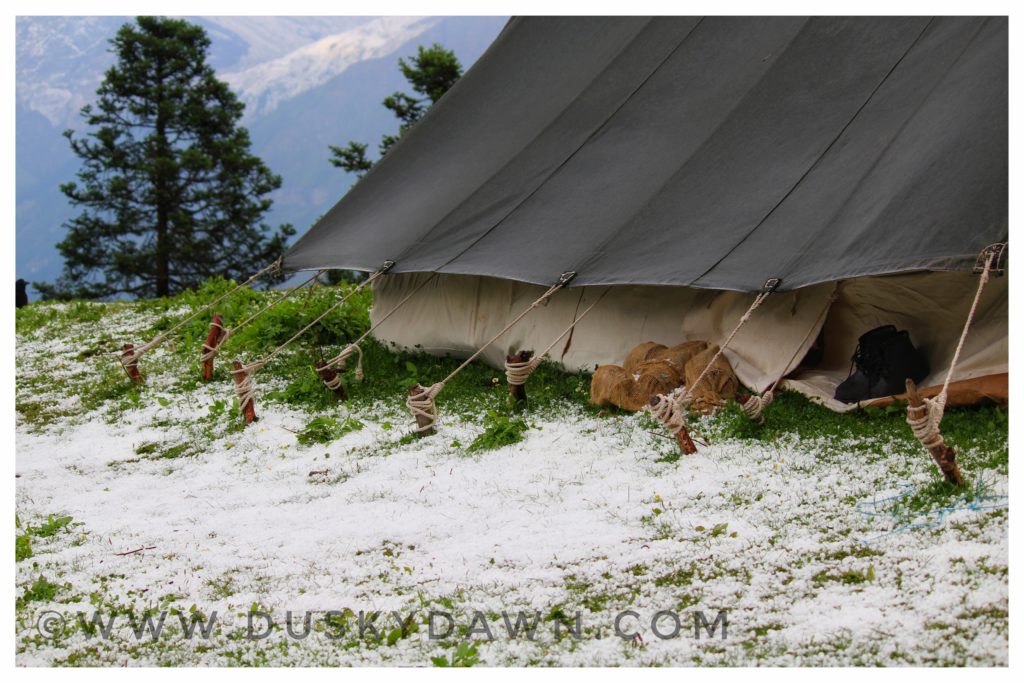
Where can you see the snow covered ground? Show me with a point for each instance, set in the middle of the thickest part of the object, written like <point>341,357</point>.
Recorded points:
<point>798,548</point>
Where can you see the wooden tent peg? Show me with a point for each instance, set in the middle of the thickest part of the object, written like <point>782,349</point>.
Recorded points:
<point>682,435</point>
<point>332,378</point>
<point>424,423</point>
<point>248,407</point>
<point>213,340</point>
<point>943,455</point>
<point>518,391</point>
<point>131,363</point>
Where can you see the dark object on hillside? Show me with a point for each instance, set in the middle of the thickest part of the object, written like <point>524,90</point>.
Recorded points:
<point>20,293</point>
<point>883,361</point>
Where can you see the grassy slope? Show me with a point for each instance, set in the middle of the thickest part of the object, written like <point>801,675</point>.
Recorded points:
<point>89,386</point>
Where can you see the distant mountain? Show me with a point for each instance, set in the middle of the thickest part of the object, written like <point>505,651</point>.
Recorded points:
<point>268,84</point>
<point>307,82</point>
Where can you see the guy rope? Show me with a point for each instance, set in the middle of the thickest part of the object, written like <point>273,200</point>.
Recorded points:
<point>520,366</point>
<point>130,355</point>
<point>420,401</point>
<point>671,409</point>
<point>924,415</point>
<point>329,370</point>
<point>243,372</point>
<point>753,406</point>
<point>219,334</point>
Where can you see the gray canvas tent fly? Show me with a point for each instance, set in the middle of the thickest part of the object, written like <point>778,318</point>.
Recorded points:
<point>860,164</point>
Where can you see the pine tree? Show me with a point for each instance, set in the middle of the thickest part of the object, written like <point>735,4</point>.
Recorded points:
<point>430,73</point>
<point>169,192</point>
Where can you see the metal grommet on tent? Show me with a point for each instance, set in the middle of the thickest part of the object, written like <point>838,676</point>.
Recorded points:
<point>992,257</point>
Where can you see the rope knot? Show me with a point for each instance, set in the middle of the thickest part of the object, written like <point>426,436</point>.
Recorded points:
<point>671,409</point>
<point>925,420</point>
<point>334,383</point>
<point>346,353</point>
<point>421,405</point>
<point>517,372</point>
<point>210,352</point>
<point>754,406</point>
<point>245,388</point>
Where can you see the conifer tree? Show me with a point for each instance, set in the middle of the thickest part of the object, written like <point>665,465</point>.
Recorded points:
<point>431,72</point>
<point>169,192</point>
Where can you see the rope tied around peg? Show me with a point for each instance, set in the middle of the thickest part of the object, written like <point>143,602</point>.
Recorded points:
<point>421,400</point>
<point>421,404</point>
<point>210,350</point>
<point>926,420</point>
<point>243,373</point>
<point>671,409</point>
<point>517,372</point>
<point>130,354</point>
<point>325,369</point>
<point>924,415</point>
<point>245,387</point>
<point>754,406</point>
<point>332,377</point>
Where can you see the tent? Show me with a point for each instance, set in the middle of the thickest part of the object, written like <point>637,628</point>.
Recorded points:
<point>859,162</point>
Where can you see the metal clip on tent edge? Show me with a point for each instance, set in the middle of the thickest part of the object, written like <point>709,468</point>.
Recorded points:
<point>563,280</point>
<point>997,252</point>
<point>771,284</point>
<point>386,266</point>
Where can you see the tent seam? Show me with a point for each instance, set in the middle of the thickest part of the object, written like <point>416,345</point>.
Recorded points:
<point>583,144</point>
<point>821,156</point>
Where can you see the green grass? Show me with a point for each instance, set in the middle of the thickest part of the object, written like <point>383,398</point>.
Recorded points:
<point>41,590</point>
<point>50,527</point>
<point>477,394</point>
<point>499,430</point>
<point>323,430</point>
<point>22,547</point>
<point>464,655</point>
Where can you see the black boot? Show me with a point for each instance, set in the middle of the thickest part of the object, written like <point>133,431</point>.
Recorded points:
<point>884,359</point>
<point>902,360</point>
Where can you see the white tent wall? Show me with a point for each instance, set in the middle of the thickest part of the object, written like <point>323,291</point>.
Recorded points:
<point>456,314</point>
